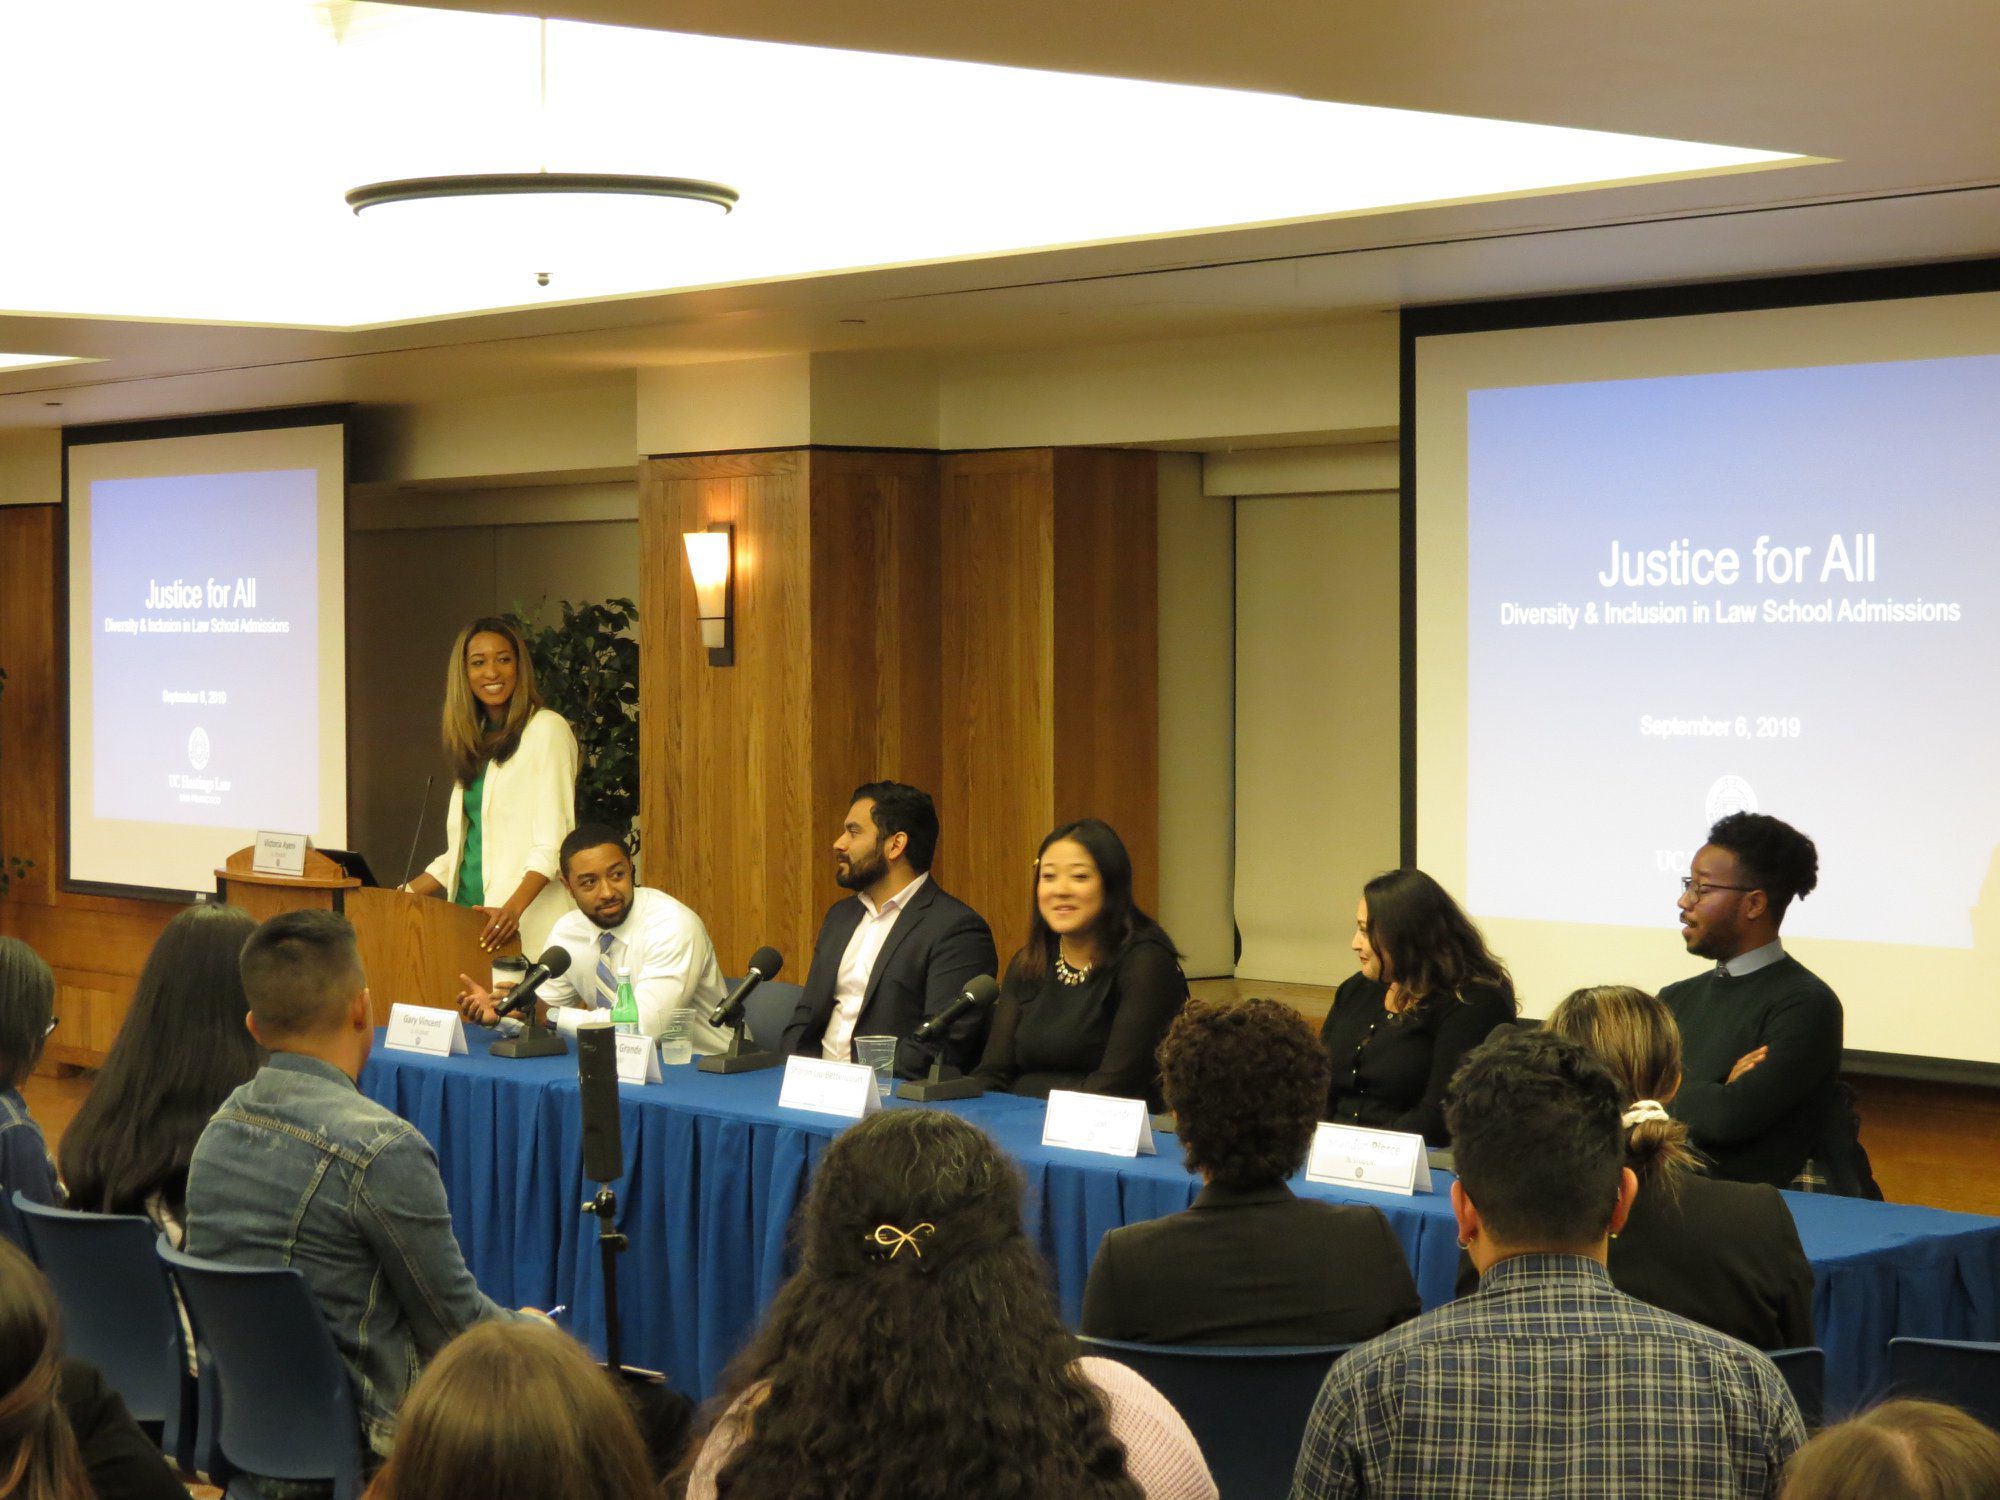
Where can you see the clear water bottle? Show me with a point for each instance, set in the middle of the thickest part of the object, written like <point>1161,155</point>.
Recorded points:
<point>625,1014</point>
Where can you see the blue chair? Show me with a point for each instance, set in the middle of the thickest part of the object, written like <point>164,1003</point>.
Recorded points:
<point>1805,1372</point>
<point>119,1313</point>
<point>1964,1373</point>
<point>769,1011</point>
<point>274,1389</point>
<point>1246,1406</point>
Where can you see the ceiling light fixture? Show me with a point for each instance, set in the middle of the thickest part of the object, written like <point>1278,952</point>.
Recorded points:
<point>539,192</point>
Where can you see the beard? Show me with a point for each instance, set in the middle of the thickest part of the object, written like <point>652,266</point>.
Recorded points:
<point>859,874</point>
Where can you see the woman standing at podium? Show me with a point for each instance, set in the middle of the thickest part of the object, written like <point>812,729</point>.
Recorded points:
<point>513,793</point>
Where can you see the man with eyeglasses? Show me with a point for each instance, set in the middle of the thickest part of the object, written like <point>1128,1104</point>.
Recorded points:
<point>1760,1032</point>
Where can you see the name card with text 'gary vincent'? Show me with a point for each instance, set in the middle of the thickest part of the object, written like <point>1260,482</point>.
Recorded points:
<point>1095,1122</point>
<point>638,1058</point>
<point>829,1088</point>
<point>425,1028</point>
<point>1382,1161</point>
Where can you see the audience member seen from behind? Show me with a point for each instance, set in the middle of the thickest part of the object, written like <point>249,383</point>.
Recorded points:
<point>1723,1253</point>
<point>183,1048</point>
<point>298,1168</point>
<point>1546,1381</point>
<point>1249,1263</point>
<point>1900,1450</point>
<point>1428,992</point>
<point>1087,999</point>
<point>513,789</point>
<point>918,1351</point>
<point>64,1433</point>
<point>27,1016</point>
<point>515,1411</point>
<point>1761,1032</point>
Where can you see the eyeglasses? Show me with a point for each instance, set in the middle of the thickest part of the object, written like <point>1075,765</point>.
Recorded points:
<point>1699,889</point>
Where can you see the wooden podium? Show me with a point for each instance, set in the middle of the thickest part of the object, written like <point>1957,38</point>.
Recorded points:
<point>412,947</point>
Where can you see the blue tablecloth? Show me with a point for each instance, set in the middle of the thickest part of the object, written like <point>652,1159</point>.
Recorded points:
<point>715,1172</point>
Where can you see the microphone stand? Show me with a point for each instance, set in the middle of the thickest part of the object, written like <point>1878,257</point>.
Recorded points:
<point>937,1087</point>
<point>535,1039</point>
<point>741,1055</point>
<point>611,1243</point>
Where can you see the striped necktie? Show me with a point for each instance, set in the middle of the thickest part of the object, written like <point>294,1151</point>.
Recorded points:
<point>607,978</point>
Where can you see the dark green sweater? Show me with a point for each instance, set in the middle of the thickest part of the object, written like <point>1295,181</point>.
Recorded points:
<point>1762,1127</point>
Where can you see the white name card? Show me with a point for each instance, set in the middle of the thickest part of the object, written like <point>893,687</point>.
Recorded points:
<point>829,1088</point>
<point>1095,1122</point>
<point>425,1028</point>
<point>638,1058</point>
<point>279,853</point>
<point>1382,1161</point>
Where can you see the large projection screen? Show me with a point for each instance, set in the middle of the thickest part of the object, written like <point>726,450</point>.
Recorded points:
<point>1667,567</point>
<point>207,662</point>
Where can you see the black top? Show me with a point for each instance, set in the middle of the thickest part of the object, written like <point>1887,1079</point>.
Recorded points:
<point>1389,1072</point>
<point>122,1464</point>
<point>1726,1254</point>
<point>1251,1266</point>
<point>1098,1036</point>
<point>1762,1127</point>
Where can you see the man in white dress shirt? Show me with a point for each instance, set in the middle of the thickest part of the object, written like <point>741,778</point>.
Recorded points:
<point>899,949</point>
<point>616,926</point>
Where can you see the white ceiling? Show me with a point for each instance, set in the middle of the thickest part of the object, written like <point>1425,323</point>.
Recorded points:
<point>1899,98</point>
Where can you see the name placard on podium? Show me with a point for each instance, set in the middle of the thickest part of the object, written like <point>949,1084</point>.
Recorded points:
<point>425,1028</point>
<point>1381,1161</point>
<point>279,853</point>
<point>1098,1122</point>
<point>829,1088</point>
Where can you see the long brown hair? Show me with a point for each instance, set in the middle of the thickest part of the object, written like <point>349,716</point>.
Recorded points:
<point>1430,943</point>
<point>1635,1037</point>
<point>515,1411</point>
<point>38,1454</point>
<point>469,741</point>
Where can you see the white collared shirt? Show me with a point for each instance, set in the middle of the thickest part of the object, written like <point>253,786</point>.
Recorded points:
<point>857,963</point>
<point>1755,959</point>
<point>671,960</point>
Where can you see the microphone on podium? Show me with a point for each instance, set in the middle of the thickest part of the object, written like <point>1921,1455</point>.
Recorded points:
<point>737,1057</point>
<point>976,995</point>
<point>410,865</point>
<point>764,964</point>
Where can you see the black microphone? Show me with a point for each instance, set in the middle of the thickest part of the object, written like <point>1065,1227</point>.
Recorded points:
<point>554,961</point>
<point>597,1081</point>
<point>977,993</point>
<point>410,865</point>
<point>764,964</point>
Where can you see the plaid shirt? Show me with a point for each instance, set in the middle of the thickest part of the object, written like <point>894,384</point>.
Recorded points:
<point>1549,1382</point>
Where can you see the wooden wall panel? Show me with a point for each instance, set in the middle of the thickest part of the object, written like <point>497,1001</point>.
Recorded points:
<point>1107,650</point>
<point>996,793</point>
<point>96,944</point>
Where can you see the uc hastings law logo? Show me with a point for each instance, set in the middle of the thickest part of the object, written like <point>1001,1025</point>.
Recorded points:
<point>1730,794</point>
<point>198,749</point>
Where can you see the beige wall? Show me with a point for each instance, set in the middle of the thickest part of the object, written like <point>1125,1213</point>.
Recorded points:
<point>1317,697</point>
<point>1197,736</point>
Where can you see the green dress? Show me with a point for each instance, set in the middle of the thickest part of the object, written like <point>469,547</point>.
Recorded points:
<point>471,874</point>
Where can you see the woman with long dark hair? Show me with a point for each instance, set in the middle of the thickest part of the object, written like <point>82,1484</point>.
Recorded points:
<point>918,1351</point>
<point>27,1016</point>
<point>1427,994</point>
<point>515,1411</point>
<point>513,789</point>
<point>1086,1000</point>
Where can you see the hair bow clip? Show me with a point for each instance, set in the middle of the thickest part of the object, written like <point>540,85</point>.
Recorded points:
<point>891,1238</point>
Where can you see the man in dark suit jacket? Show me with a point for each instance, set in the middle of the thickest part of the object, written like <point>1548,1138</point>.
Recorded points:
<point>1249,1263</point>
<point>897,951</point>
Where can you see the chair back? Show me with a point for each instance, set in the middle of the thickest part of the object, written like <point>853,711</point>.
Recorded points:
<point>1805,1372</point>
<point>1246,1406</point>
<point>117,1309</point>
<point>281,1404</point>
<point>1964,1373</point>
<point>769,1009</point>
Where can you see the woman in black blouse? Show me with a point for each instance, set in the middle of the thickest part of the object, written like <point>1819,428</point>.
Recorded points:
<point>1085,1002</point>
<point>1428,993</point>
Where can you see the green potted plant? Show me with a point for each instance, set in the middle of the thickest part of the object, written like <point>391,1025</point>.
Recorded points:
<point>587,667</point>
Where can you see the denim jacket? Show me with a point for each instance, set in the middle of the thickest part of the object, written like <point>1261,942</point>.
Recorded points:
<point>299,1168</point>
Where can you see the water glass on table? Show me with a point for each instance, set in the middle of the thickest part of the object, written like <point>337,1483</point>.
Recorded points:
<point>677,1038</point>
<point>879,1053</point>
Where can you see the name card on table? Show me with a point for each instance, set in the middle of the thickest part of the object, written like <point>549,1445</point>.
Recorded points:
<point>829,1088</point>
<point>1095,1122</point>
<point>279,853</point>
<point>425,1028</point>
<point>638,1058</point>
<point>1382,1161</point>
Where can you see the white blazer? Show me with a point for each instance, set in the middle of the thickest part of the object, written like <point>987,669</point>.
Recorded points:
<point>527,807</point>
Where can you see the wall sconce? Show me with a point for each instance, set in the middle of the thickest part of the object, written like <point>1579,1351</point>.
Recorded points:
<point>711,563</point>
